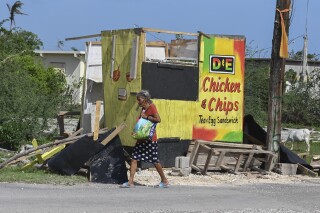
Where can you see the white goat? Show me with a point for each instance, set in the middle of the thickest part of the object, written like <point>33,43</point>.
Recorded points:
<point>299,135</point>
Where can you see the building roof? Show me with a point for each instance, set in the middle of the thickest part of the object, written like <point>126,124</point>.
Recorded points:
<point>60,52</point>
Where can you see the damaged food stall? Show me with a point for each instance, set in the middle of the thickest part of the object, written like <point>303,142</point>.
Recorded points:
<point>196,81</point>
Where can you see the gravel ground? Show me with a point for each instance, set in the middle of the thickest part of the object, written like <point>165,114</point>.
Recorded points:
<point>150,177</point>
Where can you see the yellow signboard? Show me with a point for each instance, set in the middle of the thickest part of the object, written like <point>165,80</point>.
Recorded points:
<point>221,89</point>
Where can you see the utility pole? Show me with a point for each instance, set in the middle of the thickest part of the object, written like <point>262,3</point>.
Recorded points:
<point>305,51</point>
<point>277,66</point>
<point>304,70</point>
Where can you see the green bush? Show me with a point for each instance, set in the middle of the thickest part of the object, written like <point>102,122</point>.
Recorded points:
<point>256,90</point>
<point>300,105</point>
<point>29,93</point>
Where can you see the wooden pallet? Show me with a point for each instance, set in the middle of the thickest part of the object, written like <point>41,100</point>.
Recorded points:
<point>215,154</point>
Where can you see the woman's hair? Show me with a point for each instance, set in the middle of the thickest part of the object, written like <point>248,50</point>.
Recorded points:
<point>144,94</point>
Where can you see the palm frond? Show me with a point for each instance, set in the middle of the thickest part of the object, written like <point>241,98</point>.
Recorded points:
<point>15,9</point>
<point>9,7</point>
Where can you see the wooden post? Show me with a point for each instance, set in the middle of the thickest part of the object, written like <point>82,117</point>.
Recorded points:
<point>60,119</point>
<point>277,66</point>
<point>97,121</point>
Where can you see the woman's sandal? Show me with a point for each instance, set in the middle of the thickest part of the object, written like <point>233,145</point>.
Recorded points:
<point>163,185</point>
<point>127,185</point>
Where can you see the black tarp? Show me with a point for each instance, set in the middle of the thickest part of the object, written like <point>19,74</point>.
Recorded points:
<point>108,166</point>
<point>71,158</point>
<point>251,127</point>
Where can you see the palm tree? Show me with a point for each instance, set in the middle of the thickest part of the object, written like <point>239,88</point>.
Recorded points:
<point>60,44</point>
<point>14,10</point>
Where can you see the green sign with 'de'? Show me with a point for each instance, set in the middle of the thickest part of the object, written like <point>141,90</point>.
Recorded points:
<point>222,64</point>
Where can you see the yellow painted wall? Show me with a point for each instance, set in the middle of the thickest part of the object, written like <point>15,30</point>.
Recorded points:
<point>118,111</point>
<point>176,119</point>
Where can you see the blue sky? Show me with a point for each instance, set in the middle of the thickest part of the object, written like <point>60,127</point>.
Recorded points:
<point>59,19</point>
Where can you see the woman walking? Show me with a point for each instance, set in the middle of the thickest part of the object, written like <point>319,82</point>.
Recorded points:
<point>146,150</point>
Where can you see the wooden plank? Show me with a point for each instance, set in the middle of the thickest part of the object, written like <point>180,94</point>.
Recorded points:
<point>261,171</point>
<point>48,153</point>
<point>196,168</point>
<point>193,153</point>
<point>210,165</point>
<point>238,163</point>
<point>249,159</point>
<point>83,37</point>
<point>167,50</point>
<point>207,148</point>
<point>113,134</point>
<point>203,34</point>
<point>38,152</point>
<point>156,44</point>
<point>60,120</point>
<point>270,162</point>
<point>62,113</point>
<point>248,162</point>
<point>189,151</point>
<point>78,132</point>
<point>220,158</point>
<point>195,160</point>
<point>97,121</point>
<point>306,171</point>
<point>226,168</point>
<point>52,152</point>
<point>230,145</point>
<point>169,32</point>
<point>245,151</point>
<point>205,168</point>
<point>21,159</point>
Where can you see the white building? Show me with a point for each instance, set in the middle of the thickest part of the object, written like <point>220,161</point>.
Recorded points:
<point>71,63</point>
<point>92,87</point>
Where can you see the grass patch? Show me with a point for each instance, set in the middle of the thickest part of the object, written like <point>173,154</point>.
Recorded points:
<point>14,173</point>
<point>301,147</point>
<point>39,176</point>
<point>5,155</point>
